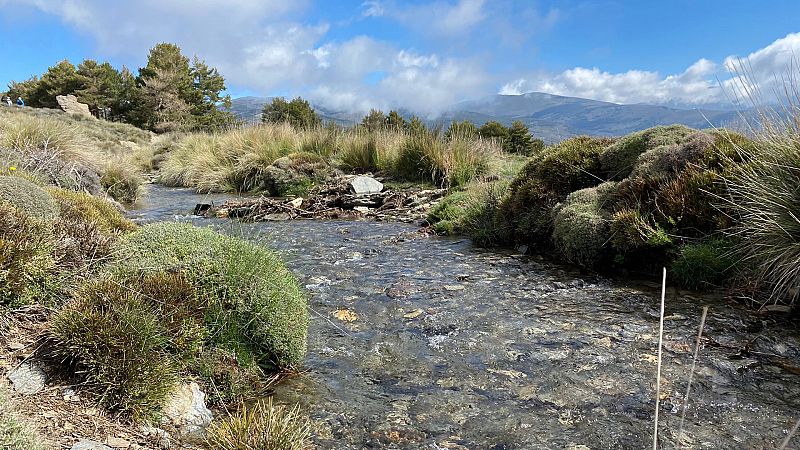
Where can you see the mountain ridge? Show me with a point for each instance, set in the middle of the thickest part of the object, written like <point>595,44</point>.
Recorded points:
<point>550,117</point>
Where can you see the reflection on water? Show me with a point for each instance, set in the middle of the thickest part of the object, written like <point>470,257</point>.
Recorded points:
<point>456,347</point>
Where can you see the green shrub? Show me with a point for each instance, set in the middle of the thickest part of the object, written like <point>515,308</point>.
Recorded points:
<point>581,228</point>
<point>545,181</point>
<point>618,160</point>
<point>704,265</point>
<point>255,306</point>
<point>28,197</point>
<point>669,160</point>
<point>14,433</point>
<point>26,257</point>
<point>293,174</point>
<point>86,228</point>
<point>262,426</point>
<point>472,212</point>
<point>112,334</point>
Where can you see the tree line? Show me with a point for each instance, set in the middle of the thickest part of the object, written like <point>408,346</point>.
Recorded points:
<point>300,114</point>
<point>169,93</point>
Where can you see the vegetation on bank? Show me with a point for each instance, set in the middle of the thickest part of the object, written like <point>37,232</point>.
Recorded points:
<point>696,201</point>
<point>133,310</point>
<point>15,434</point>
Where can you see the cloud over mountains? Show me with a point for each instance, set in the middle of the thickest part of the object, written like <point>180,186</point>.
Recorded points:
<point>276,47</point>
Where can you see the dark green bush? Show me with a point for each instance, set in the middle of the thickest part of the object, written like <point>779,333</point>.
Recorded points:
<point>545,181</point>
<point>704,265</point>
<point>114,336</point>
<point>581,227</point>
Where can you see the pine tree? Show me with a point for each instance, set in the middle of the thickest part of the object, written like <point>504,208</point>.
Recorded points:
<point>416,126</point>
<point>297,112</point>
<point>99,85</point>
<point>61,79</point>
<point>520,140</point>
<point>463,129</point>
<point>395,121</point>
<point>375,120</point>
<point>494,130</point>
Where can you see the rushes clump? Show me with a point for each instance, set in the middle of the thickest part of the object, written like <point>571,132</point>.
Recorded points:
<point>263,426</point>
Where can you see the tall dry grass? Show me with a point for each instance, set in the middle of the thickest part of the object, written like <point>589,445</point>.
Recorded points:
<point>236,160</point>
<point>763,193</point>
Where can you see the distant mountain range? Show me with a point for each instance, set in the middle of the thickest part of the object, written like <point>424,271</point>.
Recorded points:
<point>549,117</point>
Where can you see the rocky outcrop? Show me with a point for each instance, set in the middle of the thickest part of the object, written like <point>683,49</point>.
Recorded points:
<point>28,378</point>
<point>186,412</point>
<point>71,105</point>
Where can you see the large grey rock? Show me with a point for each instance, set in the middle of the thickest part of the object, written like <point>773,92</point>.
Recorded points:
<point>186,411</point>
<point>28,378</point>
<point>365,185</point>
<point>70,104</point>
<point>85,444</point>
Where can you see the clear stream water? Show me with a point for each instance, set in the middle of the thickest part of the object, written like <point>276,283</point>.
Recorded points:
<point>455,347</point>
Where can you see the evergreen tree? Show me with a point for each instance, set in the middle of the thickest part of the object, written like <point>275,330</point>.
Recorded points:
<point>520,140</point>
<point>23,89</point>
<point>375,120</point>
<point>99,85</point>
<point>494,130</point>
<point>297,112</point>
<point>395,121</point>
<point>61,79</point>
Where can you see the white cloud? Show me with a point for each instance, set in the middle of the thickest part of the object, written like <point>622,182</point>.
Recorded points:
<point>441,18</point>
<point>703,83</point>
<point>261,46</point>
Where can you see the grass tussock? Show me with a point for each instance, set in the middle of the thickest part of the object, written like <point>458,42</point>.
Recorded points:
<point>243,159</point>
<point>81,155</point>
<point>26,257</point>
<point>263,426</point>
<point>183,299</point>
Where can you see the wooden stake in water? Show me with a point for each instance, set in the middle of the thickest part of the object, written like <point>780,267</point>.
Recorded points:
<point>658,371</point>
<point>691,373</point>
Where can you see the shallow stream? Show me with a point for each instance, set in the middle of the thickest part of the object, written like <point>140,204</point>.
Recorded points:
<point>428,342</point>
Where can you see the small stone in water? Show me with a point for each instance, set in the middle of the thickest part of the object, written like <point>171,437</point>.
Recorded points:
<point>453,287</point>
<point>413,314</point>
<point>345,315</point>
<point>513,374</point>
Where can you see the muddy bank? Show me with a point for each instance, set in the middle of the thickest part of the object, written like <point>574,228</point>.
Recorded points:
<point>428,342</point>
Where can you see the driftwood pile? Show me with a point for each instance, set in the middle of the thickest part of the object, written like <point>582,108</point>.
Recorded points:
<point>331,202</point>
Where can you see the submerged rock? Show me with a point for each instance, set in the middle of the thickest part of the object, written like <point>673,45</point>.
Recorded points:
<point>28,378</point>
<point>365,185</point>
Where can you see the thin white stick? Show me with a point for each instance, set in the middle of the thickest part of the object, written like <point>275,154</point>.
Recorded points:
<point>791,434</point>
<point>658,372</point>
<point>691,373</point>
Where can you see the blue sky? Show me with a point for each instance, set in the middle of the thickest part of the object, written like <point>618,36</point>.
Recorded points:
<point>422,55</point>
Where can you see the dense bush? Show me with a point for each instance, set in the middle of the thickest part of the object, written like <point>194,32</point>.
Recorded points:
<point>112,335</point>
<point>26,256</point>
<point>581,225</point>
<point>86,229</point>
<point>255,306</point>
<point>619,160</point>
<point>472,212</point>
<point>177,299</point>
<point>262,426</point>
<point>545,181</point>
<point>121,182</point>
<point>28,197</point>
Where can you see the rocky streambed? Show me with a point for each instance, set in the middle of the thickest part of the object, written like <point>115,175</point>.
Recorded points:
<point>428,342</point>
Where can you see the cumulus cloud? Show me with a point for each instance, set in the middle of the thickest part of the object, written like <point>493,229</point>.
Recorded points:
<point>703,83</point>
<point>264,46</point>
